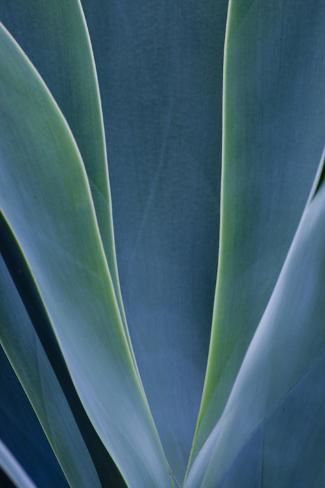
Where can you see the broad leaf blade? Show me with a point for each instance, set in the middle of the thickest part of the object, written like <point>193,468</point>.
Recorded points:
<point>291,440</point>
<point>160,73</point>
<point>279,388</point>
<point>273,123</point>
<point>54,36</point>
<point>45,197</point>
<point>31,346</point>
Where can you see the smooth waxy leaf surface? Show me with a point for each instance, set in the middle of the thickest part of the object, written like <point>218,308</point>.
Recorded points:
<point>279,393</point>
<point>28,358</point>
<point>160,74</point>
<point>288,448</point>
<point>36,330</point>
<point>45,197</point>
<point>273,137</point>
<point>55,37</point>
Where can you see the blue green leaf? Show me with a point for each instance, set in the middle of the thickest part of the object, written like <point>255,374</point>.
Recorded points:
<point>46,200</point>
<point>160,74</point>
<point>273,137</point>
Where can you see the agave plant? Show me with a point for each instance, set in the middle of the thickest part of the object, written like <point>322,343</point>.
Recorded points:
<point>137,350</point>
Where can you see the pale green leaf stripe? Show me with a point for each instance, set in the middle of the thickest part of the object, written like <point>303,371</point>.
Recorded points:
<point>288,343</point>
<point>13,470</point>
<point>45,197</point>
<point>55,37</point>
<point>273,136</point>
<point>31,365</point>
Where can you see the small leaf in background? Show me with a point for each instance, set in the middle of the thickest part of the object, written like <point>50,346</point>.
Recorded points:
<point>10,470</point>
<point>21,432</point>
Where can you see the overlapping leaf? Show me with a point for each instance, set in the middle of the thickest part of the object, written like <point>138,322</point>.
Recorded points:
<point>273,136</point>
<point>164,148</point>
<point>22,434</point>
<point>45,197</point>
<point>32,366</point>
<point>54,35</point>
<point>272,421</point>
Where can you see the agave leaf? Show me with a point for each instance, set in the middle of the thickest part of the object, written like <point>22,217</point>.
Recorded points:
<point>12,469</point>
<point>160,73</point>
<point>32,366</point>
<point>273,123</point>
<point>22,434</point>
<point>287,449</point>
<point>36,330</point>
<point>45,198</point>
<point>279,392</point>
<point>54,35</point>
